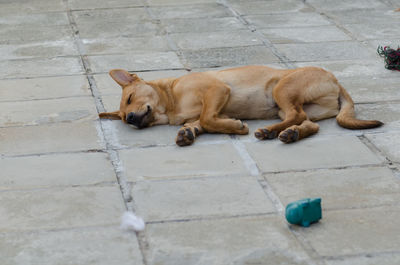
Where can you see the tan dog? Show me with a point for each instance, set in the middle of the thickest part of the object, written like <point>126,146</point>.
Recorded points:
<point>214,102</point>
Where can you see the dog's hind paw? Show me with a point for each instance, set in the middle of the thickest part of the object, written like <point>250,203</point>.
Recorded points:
<point>289,135</point>
<point>263,134</point>
<point>185,137</point>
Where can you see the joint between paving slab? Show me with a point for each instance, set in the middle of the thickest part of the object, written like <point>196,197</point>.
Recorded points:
<point>392,165</point>
<point>211,218</point>
<point>359,255</point>
<point>252,167</point>
<point>331,20</point>
<point>311,252</point>
<point>107,134</point>
<point>172,45</point>
<point>282,58</point>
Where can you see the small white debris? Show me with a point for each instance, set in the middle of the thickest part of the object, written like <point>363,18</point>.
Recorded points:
<point>132,222</point>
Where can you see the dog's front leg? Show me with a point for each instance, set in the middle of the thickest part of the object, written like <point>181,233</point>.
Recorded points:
<point>188,133</point>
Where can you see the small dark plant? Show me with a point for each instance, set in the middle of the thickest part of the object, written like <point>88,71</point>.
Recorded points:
<point>392,57</point>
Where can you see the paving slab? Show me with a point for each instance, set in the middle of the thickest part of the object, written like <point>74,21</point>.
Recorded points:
<point>102,29</point>
<point>352,232</point>
<point>388,112</point>
<point>45,49</point>
<point>135,61</point>
<point>111,102</point>
<point>19,113</point>
<point>325,51</point>
<point>93,245</point>
<point>179,25</point>
<point>306,19</point>
<point>55,170</point>
<point>40,67</point>
<point>119,15</point>
<point>175,161</point>
<point>44,88</point>
<point>60,137</point>
<point>204,40</point>
<point>371,68</point>
<point>363,16</point>
<point>393,43</point>
<point>60,208</point>
<point>177,2</point>
<point>195,198</point>
<point>107,86</point>
<point>37,6</point>
<point>24,34</point>
<point>375,30</point>
<point>190,11</point>
<point>94,4</point>
<point>235,56</point>
<point>339,189</point>
<point>368,259</point>
<point>306,34</point>
<point>40,19</point>
<point>125,45</point>
<point>275,156</point>
<point>345,5</point>
<point>388,143</point>
<point>261,7</point>
<point>372,89</point>
<point>252,240</point>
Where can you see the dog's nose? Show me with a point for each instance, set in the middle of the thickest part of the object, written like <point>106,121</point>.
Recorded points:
<point>134,119</point>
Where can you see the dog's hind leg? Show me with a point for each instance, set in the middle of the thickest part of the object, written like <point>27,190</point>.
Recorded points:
<point>290,102</point>
<point>188,133</point>
<point>298,132</point>
<point>211,120</point>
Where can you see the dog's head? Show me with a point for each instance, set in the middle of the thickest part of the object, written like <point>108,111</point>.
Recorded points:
<point>138,102</point>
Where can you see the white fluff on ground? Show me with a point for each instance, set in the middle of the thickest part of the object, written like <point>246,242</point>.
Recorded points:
<point>132,222</point>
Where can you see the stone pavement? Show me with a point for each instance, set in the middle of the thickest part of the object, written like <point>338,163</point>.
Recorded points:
<point>66,177</point>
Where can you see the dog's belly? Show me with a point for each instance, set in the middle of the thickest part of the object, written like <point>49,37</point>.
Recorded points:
<point>250,103</point>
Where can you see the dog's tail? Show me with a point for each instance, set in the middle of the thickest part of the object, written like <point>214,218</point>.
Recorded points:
<point>346,117</point>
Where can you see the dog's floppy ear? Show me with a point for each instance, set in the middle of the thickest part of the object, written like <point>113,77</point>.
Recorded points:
<point>122,77</point>
<point>110,115</point>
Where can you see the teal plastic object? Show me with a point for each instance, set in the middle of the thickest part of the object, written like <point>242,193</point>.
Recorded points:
<point>304,212</point>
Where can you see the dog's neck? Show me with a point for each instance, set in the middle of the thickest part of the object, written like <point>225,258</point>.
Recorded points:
<point>164,90</point>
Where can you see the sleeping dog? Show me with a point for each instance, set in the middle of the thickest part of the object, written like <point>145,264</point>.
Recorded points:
<point>217,101</point>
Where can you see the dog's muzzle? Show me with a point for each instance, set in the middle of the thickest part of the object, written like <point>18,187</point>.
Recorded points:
<point>139,120</point>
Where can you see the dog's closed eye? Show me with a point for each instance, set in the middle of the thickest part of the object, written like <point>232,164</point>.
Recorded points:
<point>129,99</point>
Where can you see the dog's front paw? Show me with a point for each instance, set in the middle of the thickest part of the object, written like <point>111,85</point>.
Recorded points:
<point>185,137</point>
<point>263,134</point>
<point>244,128</point>
<point>289,135</point>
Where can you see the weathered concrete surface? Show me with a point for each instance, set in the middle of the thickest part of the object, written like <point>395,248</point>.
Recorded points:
<point>202,161</point>
<point>101,245</point>
<point>257,240</point>
<point>183,199</point>
<point>300,156</point>
<point>66,177</point>
<point>59,208</point>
